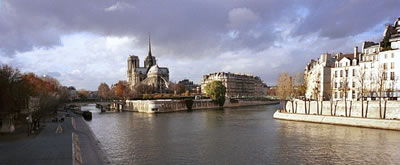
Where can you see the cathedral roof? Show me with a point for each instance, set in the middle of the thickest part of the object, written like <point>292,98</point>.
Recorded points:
<point>157,70</point>
<point>154,69</point>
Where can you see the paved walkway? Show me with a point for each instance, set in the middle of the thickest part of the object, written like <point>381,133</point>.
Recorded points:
<point>54,145</point>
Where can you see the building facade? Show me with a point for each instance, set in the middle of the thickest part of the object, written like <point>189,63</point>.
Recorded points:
<point>237,85</point>
<point>370,73</point>
<point>150,74</point>
<point>317,76</point>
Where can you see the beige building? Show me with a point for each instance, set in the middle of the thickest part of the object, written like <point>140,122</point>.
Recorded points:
<point>237,85</point>
<point>150,74</point>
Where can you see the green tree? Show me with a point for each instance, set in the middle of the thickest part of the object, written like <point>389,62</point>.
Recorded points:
<point>216,91</point>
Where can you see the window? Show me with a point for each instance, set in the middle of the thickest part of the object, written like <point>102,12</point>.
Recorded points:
<point>336,84</point>
<point>341,73</point>
<point>354,72</point>
<point>336,73</point>
<point>392,55</point>
<point>354,84</point>
<point>385,66</point>
<point>347,73</point>
<point>374,58</point>
<point>385,56</point>
<point>384,76</point>
<point>353,95</point>
<point>336,95</point>
<point>391,75</point>
<point>392,65</point>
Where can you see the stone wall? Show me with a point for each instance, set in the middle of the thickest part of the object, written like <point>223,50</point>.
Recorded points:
<point>348,121</point>
<point>392,108</point>
<point>156,106</point>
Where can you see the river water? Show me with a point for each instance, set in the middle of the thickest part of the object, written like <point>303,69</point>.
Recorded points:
<point>245,135</point>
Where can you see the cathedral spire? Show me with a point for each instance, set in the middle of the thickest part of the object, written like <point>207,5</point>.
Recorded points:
<point>149,46</point>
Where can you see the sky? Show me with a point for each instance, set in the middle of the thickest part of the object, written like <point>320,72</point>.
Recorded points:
<point>84,43</point>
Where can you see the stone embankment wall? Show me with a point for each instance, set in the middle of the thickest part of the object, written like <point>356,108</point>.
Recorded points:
<point>155,106</point>
<point>392,108</point>
<point>348,121</point>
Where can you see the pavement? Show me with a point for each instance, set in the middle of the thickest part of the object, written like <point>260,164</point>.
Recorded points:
<point>55,145</point>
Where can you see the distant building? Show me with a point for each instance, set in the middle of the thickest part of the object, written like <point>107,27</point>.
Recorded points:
<point>271,91</point>
<point>150,74</point>
<point>73,94</point>
<point>189,85</point>
<point>237,85</point>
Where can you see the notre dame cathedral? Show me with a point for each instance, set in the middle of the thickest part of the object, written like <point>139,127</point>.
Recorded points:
<point>150,74</point>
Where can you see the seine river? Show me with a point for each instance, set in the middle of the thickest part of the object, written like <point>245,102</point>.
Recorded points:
<point>245,135</point>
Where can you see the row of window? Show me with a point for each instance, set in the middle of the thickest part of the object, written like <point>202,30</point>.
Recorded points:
<point>392,77</point>
<point>341,94</point>
<point>385,66</point>
<point>386,55</point>
<point>346,73</point>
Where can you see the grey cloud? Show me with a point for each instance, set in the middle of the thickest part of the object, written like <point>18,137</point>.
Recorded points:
<point>200,30</point>
<point>338,19</point>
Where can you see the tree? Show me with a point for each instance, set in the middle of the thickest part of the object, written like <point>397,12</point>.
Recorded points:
<point>104,91</point>
<point>344,88</point>
<point>14,92</point>
<point>316,91</point>
<point>381,77</point>
<point>216,91</point>
<point>121,89</point>
<point>301,88</point>
<point>284,88</point>
<point>362,89</point>
<point>177,88</point>
<point>29,92</point>
<point>83,94</point>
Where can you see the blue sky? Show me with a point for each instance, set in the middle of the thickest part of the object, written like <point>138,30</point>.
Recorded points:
<point>84,43</point>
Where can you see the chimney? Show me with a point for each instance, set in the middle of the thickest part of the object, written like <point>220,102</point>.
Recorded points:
<point>355,51</point>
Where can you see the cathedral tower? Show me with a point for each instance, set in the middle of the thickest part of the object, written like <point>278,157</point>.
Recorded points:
<point>150,59</point>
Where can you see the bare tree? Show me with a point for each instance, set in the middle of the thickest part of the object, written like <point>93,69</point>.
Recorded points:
<point>362,88</point>
<point>344,88</point>
<point>301,88</point>
<point>316,91</point>
<point>284,88</point>
<point>380,82</point>
<point>329,93</point>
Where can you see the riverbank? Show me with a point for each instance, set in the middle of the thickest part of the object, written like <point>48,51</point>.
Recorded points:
<point>56,144</point>
<point>337,120</point>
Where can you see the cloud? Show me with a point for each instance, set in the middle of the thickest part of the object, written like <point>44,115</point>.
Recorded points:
<point>87,42</point>
<point>239,17</point>
<point>119,6</point>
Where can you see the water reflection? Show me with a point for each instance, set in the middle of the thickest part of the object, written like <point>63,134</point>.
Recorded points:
<point>244,135</point>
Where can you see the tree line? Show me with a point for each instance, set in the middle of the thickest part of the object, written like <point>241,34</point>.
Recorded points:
<point>121,90</point>
<point>23,94</point>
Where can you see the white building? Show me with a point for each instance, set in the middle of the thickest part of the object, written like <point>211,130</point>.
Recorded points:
<point>318,76</point>
<point>345,75</point>
<point>376,68</point>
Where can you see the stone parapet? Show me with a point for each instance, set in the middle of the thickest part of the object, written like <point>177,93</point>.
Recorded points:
<point>348,121</point>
